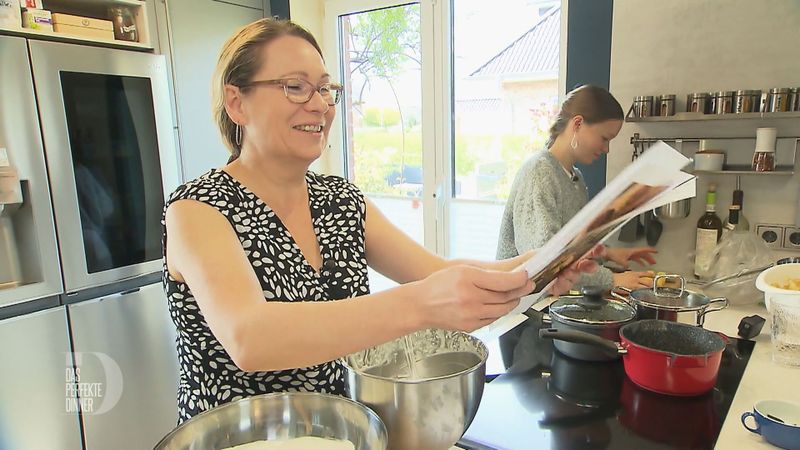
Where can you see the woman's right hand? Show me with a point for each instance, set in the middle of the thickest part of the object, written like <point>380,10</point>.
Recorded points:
<point>634,280</point>
<point>467,298</point>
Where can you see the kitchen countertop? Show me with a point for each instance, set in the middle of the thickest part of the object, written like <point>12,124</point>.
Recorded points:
<point>762,379</point>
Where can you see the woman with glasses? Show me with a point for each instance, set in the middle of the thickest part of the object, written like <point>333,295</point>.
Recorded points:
<point>266,262</point>
<point>549,190</point>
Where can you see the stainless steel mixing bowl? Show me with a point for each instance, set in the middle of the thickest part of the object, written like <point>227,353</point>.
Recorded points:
<point>279,416</point>
<point>432,410</point>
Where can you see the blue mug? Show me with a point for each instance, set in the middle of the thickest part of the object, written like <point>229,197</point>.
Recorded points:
<point>777,421</point>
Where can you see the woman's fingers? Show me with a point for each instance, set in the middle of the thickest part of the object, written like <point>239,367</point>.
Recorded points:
<point>499,281</point>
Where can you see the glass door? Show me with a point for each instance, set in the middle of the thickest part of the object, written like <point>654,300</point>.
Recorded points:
<point>445,99</point>
<point>504,97</point>
<point>380,63</point>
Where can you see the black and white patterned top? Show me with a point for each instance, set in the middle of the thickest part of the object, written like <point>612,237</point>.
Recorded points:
<point>208,375</point>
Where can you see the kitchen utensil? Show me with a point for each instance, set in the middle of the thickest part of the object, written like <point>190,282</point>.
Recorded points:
<point>652,228</point>
<point>635,151</point>
<point>643,106</point>
<point>741,273</point>
<point>591,313</point>
<point>746,101</point>
<point>279,416</point>
<point>668,303</point>
<point>764,156</point>
<point>779,99</point>
<point>632,231</point>
<point>665,105</point>
<point>770,281</point>
<point>723,102</point>
<point>661,356</point>
<point>433,409</point>
<point>698,102</point>
<point>777,421</point>
<point>709,160</point>
<point>674,210</point>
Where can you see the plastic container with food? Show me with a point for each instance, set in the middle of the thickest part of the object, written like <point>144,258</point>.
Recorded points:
<point>782,280</point>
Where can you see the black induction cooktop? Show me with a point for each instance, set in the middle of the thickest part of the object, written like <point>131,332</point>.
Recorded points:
<point>537,398</point>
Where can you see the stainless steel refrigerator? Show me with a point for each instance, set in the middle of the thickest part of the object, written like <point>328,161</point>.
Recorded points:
<point>87,349</point>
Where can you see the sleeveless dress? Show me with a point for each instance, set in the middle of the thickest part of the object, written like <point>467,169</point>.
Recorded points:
<point>208,375</point>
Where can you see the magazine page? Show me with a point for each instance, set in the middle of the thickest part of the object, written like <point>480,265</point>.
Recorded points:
<point>652,180</point>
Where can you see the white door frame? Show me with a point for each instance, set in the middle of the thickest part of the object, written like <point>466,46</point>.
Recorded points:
<point>435,103</point>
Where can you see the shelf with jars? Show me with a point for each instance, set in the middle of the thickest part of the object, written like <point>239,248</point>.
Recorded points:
<point>695,116</point>
<point>765,163</point>
<point>108,23</point>
<point>775,103</point>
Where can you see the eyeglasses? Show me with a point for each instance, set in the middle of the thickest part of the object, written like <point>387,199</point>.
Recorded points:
<point>300,91</point>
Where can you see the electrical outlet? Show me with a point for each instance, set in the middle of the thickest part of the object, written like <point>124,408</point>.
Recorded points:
<point>791,238</point>
<point>771,234</point>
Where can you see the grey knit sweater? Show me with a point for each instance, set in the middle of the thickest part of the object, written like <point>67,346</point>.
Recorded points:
<point>543,199</point>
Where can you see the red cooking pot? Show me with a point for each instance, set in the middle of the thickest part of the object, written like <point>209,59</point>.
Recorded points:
<point>665,357</point>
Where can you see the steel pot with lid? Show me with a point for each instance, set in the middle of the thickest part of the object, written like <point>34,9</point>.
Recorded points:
<point>673,304</point>
<point>592,313</point>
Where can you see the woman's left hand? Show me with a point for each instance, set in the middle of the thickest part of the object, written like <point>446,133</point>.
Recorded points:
<point>568,277</point>
<point>623,256</point>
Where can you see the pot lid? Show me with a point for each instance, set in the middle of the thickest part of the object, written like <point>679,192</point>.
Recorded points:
<point>592,308</point>
<point>678,299</point>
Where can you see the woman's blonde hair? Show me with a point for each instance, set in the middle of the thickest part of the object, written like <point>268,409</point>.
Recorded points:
<point>239,61</point>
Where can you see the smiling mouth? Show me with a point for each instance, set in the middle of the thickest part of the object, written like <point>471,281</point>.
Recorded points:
<point>309,128</point>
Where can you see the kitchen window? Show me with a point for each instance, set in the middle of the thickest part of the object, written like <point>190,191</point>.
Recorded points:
<point>444,100</point>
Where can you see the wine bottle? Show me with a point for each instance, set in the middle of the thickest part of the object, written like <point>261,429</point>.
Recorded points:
<point>709,231</point>
<point>738,199</point>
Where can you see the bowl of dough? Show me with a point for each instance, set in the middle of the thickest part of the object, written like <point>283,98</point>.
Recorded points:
<point>281,421</point>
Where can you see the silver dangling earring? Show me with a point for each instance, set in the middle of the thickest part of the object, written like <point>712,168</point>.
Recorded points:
<point>574,142</point>
<point>238,136</point>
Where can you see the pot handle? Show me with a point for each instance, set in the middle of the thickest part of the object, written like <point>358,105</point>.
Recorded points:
<point>581,337</point>
<point>621,297</point>
<point>757,429</point>
<point>724,304</point>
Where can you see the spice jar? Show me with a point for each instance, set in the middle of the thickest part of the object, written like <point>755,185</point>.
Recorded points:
<point>723,102</point>
<point>124,24</point>
<point>746,100</point>
<point>794,99</point>
<point>643,106</point>
<point>764,156</point>
<point>697,102</point>
<point>778,99</point>
<point>666,105</point>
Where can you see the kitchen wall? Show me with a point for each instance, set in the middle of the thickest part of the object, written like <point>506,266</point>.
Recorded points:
<point>684,46</point>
